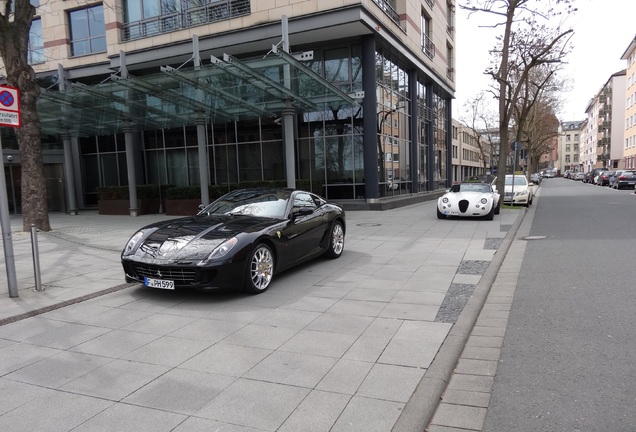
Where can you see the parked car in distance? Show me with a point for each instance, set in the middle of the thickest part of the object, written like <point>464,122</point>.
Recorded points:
<point>627,179</point>
<point>592,174</point>
<point>603,178</point>
<point>241,240</point>
<point>579,176</point>
<point>613,174</point>
<point>535,178</point>
<point>568,174</point>
<point>523,193</point>
<point>472,199</point>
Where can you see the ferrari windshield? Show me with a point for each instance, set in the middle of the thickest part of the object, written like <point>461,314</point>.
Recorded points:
<point>270,203</point>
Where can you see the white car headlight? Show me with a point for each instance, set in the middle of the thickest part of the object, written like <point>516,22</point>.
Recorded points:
<point>523,192</point>
<point>133,243</point>
<point>484,201</point>
<point>221,250</point>
<point>445,200</point>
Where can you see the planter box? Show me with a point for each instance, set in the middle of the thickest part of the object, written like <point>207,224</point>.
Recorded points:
<point>122,207</point>
<point>182,207</point>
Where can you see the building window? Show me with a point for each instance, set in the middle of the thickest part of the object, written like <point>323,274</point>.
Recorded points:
<point>450,11</point>
<point>449,62</point>
<point>568,137</point>
<point>36,44</point>
<point>143,18</point>
<point>567,147</point>
<point>88,32</point>
<point>426,26</point>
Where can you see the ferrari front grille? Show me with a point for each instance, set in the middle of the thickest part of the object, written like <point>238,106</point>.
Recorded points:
<point>179,275</point>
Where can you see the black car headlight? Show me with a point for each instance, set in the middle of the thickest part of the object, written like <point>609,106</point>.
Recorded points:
<point>221,250</point>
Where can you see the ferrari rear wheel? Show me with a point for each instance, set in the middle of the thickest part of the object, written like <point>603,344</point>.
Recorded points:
<point>336,241</point>
<point>440,215</point>
<point>260,269</point>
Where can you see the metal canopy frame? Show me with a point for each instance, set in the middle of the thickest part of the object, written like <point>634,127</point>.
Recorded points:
<point>224,90</point>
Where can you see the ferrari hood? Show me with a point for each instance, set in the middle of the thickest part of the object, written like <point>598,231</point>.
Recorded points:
<point>193,238</point>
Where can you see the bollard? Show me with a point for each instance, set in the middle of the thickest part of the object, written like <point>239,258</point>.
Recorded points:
<point>36,258</point>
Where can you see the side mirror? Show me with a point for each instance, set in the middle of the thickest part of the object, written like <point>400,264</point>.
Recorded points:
<point>201,207</point>
<point>301,211</point>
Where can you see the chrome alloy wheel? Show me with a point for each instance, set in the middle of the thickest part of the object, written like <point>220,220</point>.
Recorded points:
<point>337,239</point>
<point>261,267</point>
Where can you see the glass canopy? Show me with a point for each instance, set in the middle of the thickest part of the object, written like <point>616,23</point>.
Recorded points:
<point>224,90</point>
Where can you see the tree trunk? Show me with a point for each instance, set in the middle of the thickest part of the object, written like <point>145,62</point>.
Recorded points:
<point>14,43</point>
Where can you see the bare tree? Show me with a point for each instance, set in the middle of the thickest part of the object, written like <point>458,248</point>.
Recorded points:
<point>527,42</point>
<point>541,130</point>
<point>481,121</point>
<point>536,125</point>
<point>15,24</point>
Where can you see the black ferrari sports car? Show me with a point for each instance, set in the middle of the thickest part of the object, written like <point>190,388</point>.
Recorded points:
<point>239,241</point>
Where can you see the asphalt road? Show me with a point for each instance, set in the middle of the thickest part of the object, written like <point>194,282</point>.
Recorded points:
<point>568,361</point>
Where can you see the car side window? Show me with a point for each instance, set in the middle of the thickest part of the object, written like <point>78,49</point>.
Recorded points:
<point>303,200</point>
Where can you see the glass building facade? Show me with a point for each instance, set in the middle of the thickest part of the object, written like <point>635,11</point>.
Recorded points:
<point>329,144</point>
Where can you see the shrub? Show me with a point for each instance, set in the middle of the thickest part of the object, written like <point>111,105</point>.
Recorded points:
<point>216,191</point>
<point>107,193</point>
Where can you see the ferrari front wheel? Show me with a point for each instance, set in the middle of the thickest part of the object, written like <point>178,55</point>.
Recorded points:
<point>440,215</point>
<point>260,269</point>
<point>336,241</point>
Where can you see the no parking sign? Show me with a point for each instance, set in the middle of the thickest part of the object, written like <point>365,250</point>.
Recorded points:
<point>9,106</point>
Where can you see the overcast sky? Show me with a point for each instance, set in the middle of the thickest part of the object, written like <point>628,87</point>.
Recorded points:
<point>603,29</point>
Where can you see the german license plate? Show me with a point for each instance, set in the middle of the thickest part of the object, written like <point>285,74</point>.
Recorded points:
<point>159,283</point>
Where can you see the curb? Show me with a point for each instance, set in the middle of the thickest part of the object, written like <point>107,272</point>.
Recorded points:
<point>65,303</point>
<point>420,408</point>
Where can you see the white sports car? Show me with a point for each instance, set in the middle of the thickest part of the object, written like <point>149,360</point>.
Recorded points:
<point>469,199</point>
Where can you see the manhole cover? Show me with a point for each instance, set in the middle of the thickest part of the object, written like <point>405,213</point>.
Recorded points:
<point>368,224</point>
<point>534,237</point>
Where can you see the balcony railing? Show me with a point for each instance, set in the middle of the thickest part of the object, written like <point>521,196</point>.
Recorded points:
<point>214,11</point>
<point>389,10</point>
<point>428,48</point>
<point>430,3</point>
<point>603,141</point>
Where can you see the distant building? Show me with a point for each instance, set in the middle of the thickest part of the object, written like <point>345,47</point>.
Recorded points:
<point>569,150</point>
<point>471,152</point>
<point>603,135</point>
<point>629,145</point>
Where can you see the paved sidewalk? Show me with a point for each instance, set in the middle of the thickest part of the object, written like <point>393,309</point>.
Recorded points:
<point>349,344</point>
<point>464,404</point>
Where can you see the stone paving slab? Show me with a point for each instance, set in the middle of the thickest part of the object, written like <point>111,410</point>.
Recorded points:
<point>338,345</point>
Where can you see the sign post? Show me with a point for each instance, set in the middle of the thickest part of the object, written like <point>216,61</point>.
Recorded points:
<point>9,116</point>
